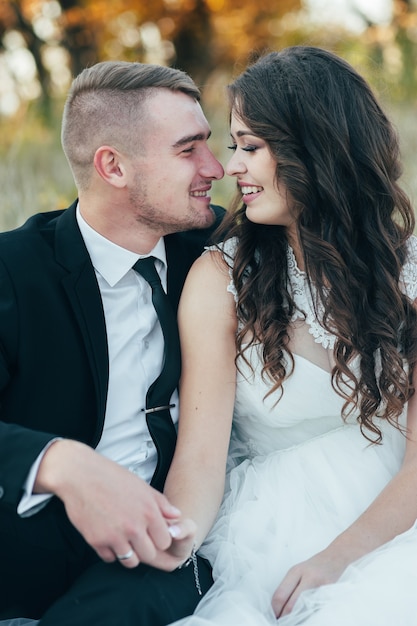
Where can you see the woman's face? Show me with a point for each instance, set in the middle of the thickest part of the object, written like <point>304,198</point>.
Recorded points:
<point>254,167</point>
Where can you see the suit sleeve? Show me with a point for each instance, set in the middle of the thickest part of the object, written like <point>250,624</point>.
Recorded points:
<point>19,446</point>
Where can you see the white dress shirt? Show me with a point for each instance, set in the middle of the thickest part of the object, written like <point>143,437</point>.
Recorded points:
<point>136,348</point>
<point>135,345</point>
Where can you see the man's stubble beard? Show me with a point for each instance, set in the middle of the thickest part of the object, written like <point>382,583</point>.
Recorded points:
<point>156,220</point>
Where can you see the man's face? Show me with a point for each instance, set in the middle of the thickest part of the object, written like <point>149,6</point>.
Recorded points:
<point>173,174</point>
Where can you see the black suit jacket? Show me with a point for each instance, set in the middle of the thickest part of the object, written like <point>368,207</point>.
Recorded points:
<point>53,344</point>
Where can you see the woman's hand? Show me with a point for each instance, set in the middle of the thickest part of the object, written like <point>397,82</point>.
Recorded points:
<point>323,568</point>
<point>183,541</point>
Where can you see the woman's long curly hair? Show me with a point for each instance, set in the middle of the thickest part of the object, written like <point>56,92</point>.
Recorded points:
<point>337,156</point>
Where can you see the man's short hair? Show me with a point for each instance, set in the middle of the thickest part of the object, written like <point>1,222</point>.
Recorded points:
<point>104,105</point>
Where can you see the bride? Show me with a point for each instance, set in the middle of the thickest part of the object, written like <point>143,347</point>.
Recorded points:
<point>299,337</point>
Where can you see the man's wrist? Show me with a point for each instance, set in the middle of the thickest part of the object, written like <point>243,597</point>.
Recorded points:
<point>53,469</point>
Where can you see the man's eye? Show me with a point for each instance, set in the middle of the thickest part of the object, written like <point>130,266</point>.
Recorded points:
<point>189,149</point>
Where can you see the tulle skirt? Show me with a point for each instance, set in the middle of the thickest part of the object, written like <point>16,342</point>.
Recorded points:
<point>281,509</point>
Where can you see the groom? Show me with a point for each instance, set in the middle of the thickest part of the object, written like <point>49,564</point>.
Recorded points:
<point>84,538</point>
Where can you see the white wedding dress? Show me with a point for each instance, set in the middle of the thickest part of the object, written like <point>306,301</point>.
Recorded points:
<point>305,477</point>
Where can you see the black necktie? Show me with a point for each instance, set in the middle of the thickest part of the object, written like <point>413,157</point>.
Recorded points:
<point>157,410</point>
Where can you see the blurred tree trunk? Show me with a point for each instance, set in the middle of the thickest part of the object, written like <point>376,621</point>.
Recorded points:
<point>34,45</point>
<point>193,52</point>
<point>405,25</point>
<point>78,35</point>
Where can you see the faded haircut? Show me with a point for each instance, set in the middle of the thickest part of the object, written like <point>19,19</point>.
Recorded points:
<point>104,105</point>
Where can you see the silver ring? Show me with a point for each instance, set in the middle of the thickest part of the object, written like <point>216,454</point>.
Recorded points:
<point>124,557</point>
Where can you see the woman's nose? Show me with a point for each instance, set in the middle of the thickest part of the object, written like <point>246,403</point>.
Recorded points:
<point>235,165</point>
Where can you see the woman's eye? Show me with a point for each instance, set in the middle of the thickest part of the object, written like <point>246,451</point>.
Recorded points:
<point>245,148</point>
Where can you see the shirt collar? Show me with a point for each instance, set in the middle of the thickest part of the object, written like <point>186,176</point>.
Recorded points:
<point>111,261</point>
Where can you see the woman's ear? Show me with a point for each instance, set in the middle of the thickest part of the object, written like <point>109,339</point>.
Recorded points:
<point>109,165</point>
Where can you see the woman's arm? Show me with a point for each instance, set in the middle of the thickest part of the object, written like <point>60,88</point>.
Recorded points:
<point>394,511</point>
<point>207,323</point>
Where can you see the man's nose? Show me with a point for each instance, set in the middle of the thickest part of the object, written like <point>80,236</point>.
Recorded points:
<point>212,168</point>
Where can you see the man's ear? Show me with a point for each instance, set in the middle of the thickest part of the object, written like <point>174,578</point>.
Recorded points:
<point>109,165</point>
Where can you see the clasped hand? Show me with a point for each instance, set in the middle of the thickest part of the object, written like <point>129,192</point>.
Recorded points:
<point>116,512</point>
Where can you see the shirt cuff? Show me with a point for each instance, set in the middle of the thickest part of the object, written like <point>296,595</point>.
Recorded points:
<point>31,502</point>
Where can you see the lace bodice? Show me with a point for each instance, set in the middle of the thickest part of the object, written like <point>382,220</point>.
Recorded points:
<point>305,295</point>
<point>308,406</point>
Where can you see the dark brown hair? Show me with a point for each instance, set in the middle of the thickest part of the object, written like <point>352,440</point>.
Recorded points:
<point>337,155</point>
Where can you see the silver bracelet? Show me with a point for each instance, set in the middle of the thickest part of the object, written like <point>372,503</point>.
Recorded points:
<point>193,559</point>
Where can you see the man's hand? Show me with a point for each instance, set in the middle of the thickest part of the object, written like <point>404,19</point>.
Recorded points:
<point>114,510</point>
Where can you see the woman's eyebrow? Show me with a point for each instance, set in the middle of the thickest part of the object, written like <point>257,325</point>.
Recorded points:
<point>242,133</point>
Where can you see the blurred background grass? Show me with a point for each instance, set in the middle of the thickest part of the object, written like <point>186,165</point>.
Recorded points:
<point>45,42</point>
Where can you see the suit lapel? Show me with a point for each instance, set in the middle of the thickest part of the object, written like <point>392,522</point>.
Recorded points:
<point>83,293</point>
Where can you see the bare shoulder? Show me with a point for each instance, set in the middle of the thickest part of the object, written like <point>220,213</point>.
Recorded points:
<point>206,289</point>
<point>209,271</point>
